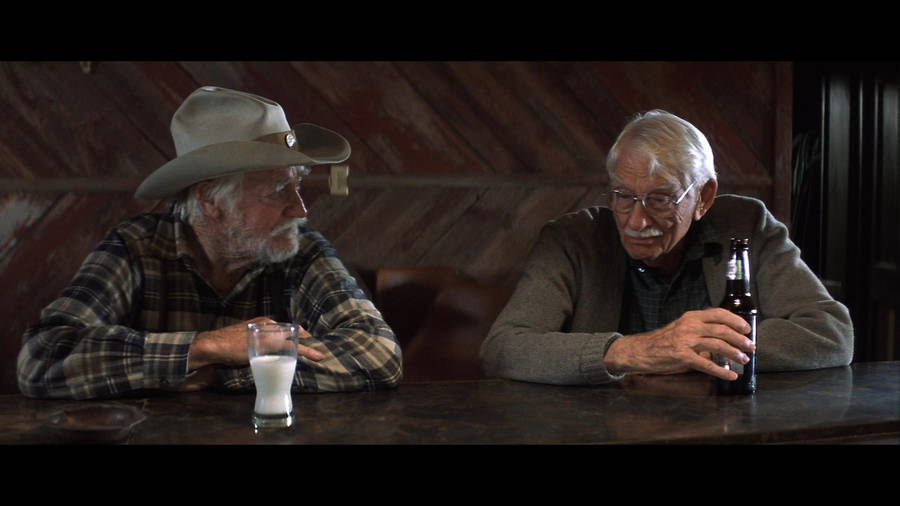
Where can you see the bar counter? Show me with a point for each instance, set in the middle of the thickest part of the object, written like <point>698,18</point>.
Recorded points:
<point>859,403</point>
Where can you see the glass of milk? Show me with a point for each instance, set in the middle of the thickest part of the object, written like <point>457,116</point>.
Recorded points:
<point>273,360</point>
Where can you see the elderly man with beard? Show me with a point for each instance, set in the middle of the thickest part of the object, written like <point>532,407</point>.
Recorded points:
<point>164,300</point>
<point>632,287</point>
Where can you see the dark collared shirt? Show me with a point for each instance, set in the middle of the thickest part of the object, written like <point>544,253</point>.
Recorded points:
<point>128,318</point>
<point>652,300</point>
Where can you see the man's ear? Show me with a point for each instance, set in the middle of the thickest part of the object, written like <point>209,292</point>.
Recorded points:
<point>207,205</point>
<point>707,197</point>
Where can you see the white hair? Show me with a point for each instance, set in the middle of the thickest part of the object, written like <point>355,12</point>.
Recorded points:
<point>676,150</point>
<point>224,191</point>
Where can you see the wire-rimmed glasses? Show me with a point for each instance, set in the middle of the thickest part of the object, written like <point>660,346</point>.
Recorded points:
<point>657,203</point>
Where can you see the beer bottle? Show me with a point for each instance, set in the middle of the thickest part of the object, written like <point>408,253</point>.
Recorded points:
<point>739,301</point>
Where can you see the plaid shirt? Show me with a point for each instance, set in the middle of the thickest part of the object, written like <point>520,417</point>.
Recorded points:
<point>127,319</point>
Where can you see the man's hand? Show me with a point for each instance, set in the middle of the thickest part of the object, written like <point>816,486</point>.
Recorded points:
<point>228,346</point>
<point>685,344</point>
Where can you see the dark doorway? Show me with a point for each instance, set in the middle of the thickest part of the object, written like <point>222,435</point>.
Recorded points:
<point>845,199</point>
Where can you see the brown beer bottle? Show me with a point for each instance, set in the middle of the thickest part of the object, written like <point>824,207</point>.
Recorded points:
<point>739,301</point>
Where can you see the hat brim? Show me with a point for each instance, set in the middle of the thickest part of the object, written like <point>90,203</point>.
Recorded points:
<point>319,146</point>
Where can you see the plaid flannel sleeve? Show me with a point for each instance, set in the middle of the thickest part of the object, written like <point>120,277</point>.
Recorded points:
<point>361,351</point>
<point>82,348</point>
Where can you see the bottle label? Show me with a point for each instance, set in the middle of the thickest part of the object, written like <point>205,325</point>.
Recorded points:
<point>734,270</point>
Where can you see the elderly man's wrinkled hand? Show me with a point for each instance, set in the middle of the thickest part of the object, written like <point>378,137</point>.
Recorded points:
<point>685,344</point>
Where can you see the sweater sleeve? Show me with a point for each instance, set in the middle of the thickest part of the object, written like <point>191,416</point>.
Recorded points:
<point>530,340</point>
<point>801,325</point>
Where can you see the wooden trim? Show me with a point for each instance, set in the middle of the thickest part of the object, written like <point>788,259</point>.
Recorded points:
<point>839,137</point>
<point>784,140</point>
<point>69,185</point>
<point>358,181</point>
<point>366,181</point>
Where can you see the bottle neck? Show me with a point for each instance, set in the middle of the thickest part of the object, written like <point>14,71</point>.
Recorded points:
<point>737,280</point>
<point>737,287</point>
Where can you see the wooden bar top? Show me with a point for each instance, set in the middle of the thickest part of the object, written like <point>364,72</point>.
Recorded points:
<point>857,403</point>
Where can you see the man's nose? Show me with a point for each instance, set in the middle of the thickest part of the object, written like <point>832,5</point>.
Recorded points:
<point>296,208</point>
<point>638,219</point>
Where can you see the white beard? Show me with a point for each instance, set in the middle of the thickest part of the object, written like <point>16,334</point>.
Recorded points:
<point>243,243</point>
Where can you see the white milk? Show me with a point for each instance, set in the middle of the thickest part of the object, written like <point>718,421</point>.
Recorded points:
<point>273,375</point>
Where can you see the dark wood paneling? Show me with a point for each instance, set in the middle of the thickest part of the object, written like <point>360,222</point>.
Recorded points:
<point>853,190</point>
<point>59,123</point>
<point>697,92</point>
<point>455,163</point>
<point>146,94</point>
<point>450,99</point>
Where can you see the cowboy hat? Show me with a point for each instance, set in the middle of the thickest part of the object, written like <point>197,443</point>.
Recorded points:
<point>219,132</point>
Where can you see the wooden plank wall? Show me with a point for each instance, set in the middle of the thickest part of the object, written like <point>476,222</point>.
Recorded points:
<point>454,163</point>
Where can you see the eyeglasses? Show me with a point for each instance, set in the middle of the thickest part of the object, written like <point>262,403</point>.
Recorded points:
<point>654,202</point>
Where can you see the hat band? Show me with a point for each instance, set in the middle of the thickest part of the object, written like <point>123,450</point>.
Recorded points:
<point>288,139</point>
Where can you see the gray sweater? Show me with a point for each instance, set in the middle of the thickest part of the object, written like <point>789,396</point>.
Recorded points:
<point>565,310</point>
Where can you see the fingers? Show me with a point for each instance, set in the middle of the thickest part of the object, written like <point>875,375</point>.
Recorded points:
<point>303,333</point>
<point>730,319</point>
<point>723,333</point>
<point>258,319</point>
<point>306,351</point>
<point>719,315</point>
<point>724,325</point>
<point>727,335</point>
<point>717,347</point>
<point>713,369</point>
<point>701,360</point>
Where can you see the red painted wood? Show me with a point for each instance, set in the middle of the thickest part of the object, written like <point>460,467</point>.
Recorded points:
<point>57,122</point>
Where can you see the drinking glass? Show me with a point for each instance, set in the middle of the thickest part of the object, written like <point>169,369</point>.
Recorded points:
<point>273,360</point>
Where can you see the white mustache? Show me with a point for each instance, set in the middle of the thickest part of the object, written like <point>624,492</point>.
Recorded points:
<point>291,225</point>
<point>643,234</point>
